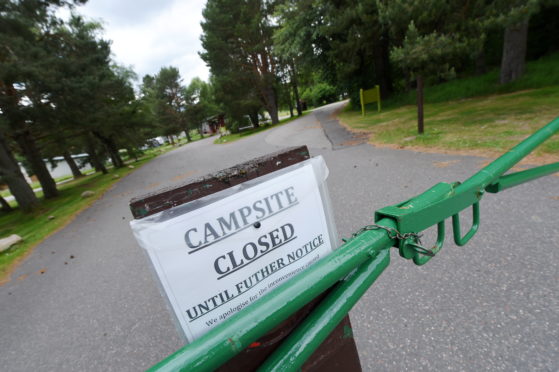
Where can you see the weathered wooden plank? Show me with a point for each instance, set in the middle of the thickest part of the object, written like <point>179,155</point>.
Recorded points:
<point>166,198</point>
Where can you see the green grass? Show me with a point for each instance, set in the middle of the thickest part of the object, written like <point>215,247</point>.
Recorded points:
<point>539,74</point>
<point>35,227</point>
<point>195,136</point>
<point>285,112</point>
<point>249,132</point>
<point>5,193</point>
<point>36,184</point>
<point>470,114</point>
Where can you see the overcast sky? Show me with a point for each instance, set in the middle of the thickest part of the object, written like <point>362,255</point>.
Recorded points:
<point>149,34</point>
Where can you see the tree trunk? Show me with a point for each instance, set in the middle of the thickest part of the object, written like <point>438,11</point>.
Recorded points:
<point>132,153</point>
<point>187,132</point>
<point>112,149</point>
<point>26,142</point>
<point>271,104</point>
<point>115,158</point>
<point>514,52</point>
<point>254,119</point>
<point>481,62</point>
<point>4,204</point>
<point>296,89</point>
<point>420,104</point>
<point>72,164</point>
<point>29,149</point>
<point>94,158</point>
<point>11,174</point>
<point>290,104</point>
<point>382,65</point>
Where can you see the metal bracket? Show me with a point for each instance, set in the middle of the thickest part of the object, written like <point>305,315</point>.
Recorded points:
<point>458,239</point>
<point>411,248</point>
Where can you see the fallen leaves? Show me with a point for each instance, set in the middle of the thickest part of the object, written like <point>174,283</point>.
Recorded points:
<point>444,164</point>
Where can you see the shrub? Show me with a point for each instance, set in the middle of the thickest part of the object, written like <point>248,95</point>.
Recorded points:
<point>319,94</point>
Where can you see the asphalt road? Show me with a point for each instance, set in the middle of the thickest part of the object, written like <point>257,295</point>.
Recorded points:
<point>490,306</point>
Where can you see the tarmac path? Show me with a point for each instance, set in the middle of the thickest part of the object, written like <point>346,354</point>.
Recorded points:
<point>490,306</point>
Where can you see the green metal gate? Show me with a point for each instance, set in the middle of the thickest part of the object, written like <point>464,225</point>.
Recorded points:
<point>354,267</point>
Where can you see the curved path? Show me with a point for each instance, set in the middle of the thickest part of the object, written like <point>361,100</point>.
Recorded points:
<point>493,305</point>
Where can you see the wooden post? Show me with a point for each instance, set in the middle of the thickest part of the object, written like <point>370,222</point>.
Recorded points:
<point>420,104</point>
<point>378,97</point>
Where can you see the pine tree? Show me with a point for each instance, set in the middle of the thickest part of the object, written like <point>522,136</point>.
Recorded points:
<point>165,93</point>
<point>237,39</point>
<point>10,173</point>
<point>435,36</point>
<point>514,16</point>
<point>24,61</point>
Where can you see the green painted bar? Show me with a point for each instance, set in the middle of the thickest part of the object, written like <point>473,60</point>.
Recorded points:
<point>456,229</point>
<point>308,336</point>
<point>229,338</point>
<point>514,179</point>
<point>498,167</point>
<point>445,200</point>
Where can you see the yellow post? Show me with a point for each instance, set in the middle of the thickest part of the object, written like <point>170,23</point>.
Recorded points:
<point>378,95</point>
<point>369,96</point>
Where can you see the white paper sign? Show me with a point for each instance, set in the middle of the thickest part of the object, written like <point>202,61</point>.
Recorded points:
<point>216,260</point>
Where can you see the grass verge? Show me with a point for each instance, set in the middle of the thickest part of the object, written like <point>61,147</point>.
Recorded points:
<point>492,124</point>
<point>35,227</point>
<point>249,132</point>
<point>454,121</point>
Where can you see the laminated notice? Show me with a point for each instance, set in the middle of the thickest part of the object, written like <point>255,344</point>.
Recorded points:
<point>217,255</point>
